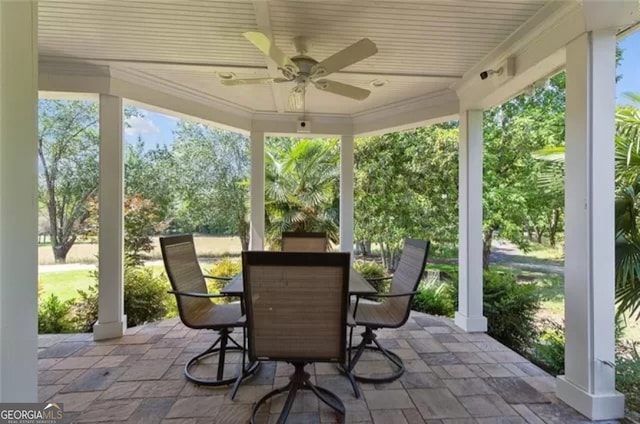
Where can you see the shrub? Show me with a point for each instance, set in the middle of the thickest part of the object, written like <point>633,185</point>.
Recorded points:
<point>145,296</point>
<point>226,267</point>
<point>510,309</point>
<point>628,374</point>
<point>434,299</point>
<point>145,299</point>
<point>548,351</point>
<point>85,309</point>
<point>371,269</point>
<point>54,316</point>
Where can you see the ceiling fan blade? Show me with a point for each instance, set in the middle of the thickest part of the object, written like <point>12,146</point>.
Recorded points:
<point>348,56</point>
<point>296,98</point>
<point>268,47</point>
<point>246,81</point>
<point>341,89</point>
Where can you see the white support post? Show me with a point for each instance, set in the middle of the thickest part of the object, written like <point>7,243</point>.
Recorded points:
<point>589,381</point>
<point>469,315</point>
<point>256,238</point>
<point>346,193</point>
<point>18,201</point>
<point>111,319</point>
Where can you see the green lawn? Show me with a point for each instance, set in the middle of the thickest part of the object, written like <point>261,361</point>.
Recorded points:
<point>65,284</point>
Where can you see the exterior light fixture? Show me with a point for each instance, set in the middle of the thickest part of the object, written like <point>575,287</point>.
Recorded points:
<point>226,75</point>
<point>377,83</point>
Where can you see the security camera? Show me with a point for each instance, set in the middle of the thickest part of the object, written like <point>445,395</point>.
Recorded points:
<point>304,126</point>
<point>485,74</point>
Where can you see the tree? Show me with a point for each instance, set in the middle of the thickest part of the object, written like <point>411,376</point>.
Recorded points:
<point>301,187</point>
<point>68,161</point>
<point>142,220</point>
<point>406,186</point>
<point>211,167</point>
<point>512,197</point>
<point>148,174</point>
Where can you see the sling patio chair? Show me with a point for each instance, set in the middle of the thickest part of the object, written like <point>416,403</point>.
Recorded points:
<point>197,311</point>
<point>296,241</point>
<point>392,312</point>
<point>296,310</point>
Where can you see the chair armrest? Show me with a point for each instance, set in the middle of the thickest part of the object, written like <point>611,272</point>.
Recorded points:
<point>398,294</point>
<point>204,295</point>
<point>378,278</point>
<point>351,322</point>
<point>214,277</point>
<point>358,296</point>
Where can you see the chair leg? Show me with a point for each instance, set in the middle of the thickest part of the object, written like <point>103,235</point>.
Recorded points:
<point>369,338</point>
<point>344,369</point>
<point>221,350</point>
<point>246,372</point>
<point>299,380</point>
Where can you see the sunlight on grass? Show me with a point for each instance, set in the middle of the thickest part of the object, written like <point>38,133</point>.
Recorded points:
<point>64,284</point>
<point>546,252</point>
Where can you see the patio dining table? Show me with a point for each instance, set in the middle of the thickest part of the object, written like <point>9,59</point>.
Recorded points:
<point>358,285</point>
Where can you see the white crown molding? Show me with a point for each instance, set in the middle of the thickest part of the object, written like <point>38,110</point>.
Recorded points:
<point>432,108</point>
<point>287,124</point>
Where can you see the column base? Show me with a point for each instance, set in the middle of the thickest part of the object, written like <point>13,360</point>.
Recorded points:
<point>607,406</point>
<point>471,324</point>
<point>109,330</point>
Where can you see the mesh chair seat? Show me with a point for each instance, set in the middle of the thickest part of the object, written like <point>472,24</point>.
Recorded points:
<point>304,241</point>
<point>393,312</point>
<point>216,317</point>
<point>296,304</point>
<point>379,315</point>
<point>197,311</point>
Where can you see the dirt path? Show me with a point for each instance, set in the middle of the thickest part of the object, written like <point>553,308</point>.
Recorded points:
<point>507,254</point>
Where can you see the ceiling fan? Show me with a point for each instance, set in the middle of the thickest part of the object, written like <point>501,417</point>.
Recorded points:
<point>304,70</point>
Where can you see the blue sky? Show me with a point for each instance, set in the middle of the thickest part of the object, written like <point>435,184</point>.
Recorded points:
<point>157,129</point>
<point>629,68</point>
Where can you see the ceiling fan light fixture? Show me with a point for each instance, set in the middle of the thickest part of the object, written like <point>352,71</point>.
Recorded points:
<point>226,75</point>
<point>377,83</point>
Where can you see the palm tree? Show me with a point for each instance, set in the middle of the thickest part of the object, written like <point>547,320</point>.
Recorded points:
<point>627,208</point>
<point>301,187</point>
<point>627,203</point>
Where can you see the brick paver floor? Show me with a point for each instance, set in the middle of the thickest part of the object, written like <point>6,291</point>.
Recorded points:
<point>451,378</point>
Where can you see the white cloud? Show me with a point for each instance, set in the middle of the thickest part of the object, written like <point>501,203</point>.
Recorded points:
<point>138,125</point>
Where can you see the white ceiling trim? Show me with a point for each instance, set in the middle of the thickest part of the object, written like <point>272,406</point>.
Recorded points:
<point>436,107</point>
<point>162,84</point>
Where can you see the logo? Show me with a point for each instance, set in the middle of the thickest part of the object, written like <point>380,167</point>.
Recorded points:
<point>31,413</point>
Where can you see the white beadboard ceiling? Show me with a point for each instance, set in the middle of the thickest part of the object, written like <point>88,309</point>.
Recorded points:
<point>424,46</point>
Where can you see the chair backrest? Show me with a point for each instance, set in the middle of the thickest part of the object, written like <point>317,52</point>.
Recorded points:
<point>183,270</point>
<point>296,305</point>
<point>304,242</point>
<point>406,277</point>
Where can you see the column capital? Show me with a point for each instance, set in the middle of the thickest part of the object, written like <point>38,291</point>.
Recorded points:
<point>600,14</point>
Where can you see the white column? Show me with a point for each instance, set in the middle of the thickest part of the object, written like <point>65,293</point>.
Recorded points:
<point>346,193</point>
<point>469,315</point>
<point>111,319</point>
<point>256,238</point>
<point>589,381</point>
<point>18,202</point>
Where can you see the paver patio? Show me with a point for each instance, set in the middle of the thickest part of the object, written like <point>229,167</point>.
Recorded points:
<point>452,378</point>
